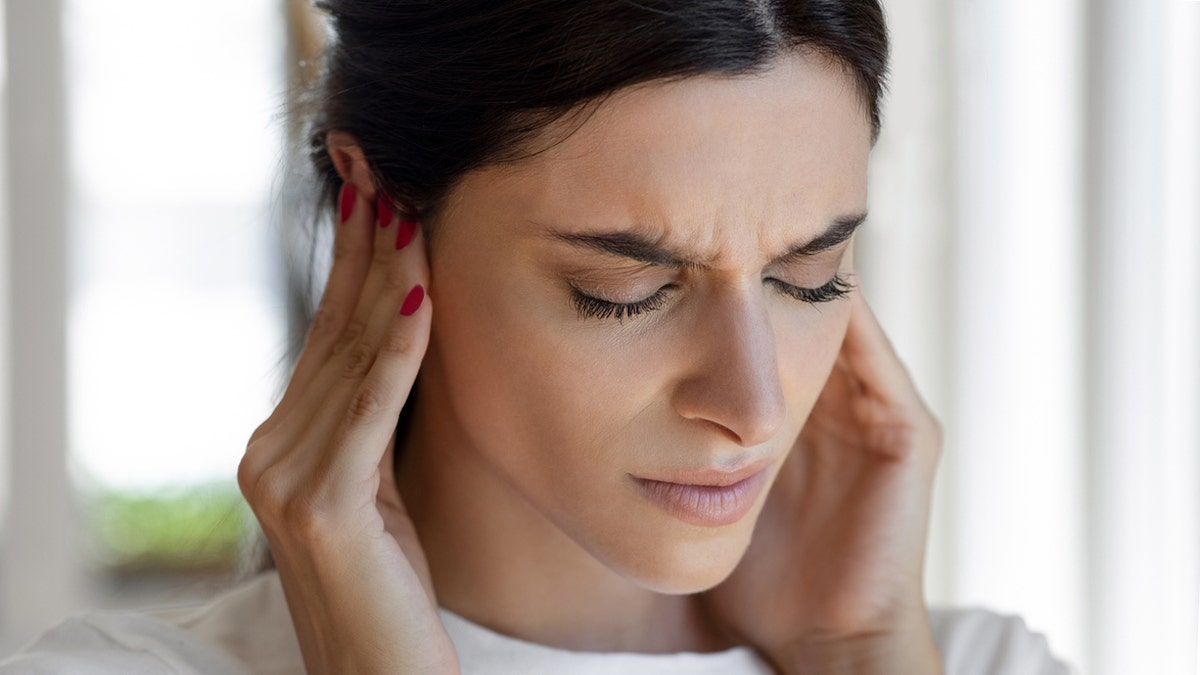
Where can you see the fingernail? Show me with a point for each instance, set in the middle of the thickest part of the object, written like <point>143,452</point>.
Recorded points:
<point>405,233</point>
<point>348,198</point>
<point>384,208</point>
<point>413,301</point>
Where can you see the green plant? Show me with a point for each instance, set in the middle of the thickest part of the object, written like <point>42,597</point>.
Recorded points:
<point>192,529</point>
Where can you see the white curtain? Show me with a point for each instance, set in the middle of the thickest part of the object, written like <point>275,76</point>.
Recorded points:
<point>1032,251</point>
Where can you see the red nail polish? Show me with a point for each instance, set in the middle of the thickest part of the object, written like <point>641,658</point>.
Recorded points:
<point>348,197</point>
<point>413,301</point>
<point>405,233</point>
<point>384,208</point>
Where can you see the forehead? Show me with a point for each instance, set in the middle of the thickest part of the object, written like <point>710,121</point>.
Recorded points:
<point>784,150</point>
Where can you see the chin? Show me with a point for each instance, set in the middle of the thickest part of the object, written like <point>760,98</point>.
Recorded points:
<point>678,566</point>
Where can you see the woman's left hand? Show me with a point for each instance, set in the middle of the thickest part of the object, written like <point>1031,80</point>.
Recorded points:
<point>832,581</point>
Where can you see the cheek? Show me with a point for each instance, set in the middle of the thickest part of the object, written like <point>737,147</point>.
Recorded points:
<point>563,412</point>
<point>546,401</point>
<point>582,401</point>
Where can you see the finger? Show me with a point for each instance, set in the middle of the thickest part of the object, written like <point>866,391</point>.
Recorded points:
<point>870,356</point>
<point>361,438</point>
<point>391,282</point>
<point>348,313</point>
<point>333,389</point>
<point>352,246</point>
<point>399,264</point>
<point>368,399</point>
<point>386,272</point>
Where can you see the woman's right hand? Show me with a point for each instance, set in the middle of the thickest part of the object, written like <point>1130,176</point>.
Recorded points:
<point>318,472</point>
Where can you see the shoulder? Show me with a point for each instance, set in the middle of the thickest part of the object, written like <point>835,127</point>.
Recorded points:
<point>246,629</point>
<point>979,641</point>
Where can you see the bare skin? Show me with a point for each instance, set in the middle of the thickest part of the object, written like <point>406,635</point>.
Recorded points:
<point>514,504</point>
<point>351,566</point>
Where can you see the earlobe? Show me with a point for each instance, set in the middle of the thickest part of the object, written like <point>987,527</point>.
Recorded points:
<point>350,163</point>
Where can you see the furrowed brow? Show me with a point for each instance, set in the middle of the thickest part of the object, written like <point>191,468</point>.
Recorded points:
<point>839,231</point>
<point>636,246</point>
<point>631,245</point>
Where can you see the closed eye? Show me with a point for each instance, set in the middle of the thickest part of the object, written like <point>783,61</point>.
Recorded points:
<point>589,306</point>
<point>836,288</point>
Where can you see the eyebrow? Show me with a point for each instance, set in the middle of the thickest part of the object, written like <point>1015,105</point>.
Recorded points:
<point>637,246</point>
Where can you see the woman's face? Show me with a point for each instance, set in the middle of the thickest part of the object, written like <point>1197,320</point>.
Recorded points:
<point>718,372</point>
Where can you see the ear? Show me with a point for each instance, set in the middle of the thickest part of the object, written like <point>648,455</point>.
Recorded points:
<point>349,161</point>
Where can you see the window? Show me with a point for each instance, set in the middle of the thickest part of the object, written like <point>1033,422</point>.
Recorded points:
<point>175,304</point>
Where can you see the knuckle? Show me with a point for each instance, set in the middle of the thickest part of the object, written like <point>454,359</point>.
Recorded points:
<point>266,491</point>
<point>260,431</point>
<point>285,507</point>
<point>343,248</point>
<point>381,260</point>
<point>382,255</point>
<point>294,507</point>
<point>325,321</point>
<point>366,404</point>
<point>251,466</point>
<point>399,342</point>
<point>395,277</point>
<point>359,361</point>
<point>350,336</point>
<point>247,476</point>
<point>897,441</point>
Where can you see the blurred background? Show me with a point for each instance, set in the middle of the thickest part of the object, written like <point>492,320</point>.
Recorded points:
<point>1033,251</point>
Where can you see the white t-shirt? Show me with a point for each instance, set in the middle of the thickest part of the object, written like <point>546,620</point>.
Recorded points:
<point>247,629</point>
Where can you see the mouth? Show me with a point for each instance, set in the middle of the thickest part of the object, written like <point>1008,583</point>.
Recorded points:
<point>707,497</point>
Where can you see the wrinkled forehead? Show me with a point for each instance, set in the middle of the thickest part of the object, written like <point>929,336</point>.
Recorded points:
<point>782,150</point>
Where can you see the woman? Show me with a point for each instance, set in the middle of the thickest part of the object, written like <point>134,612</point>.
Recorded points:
<point>657,427</point>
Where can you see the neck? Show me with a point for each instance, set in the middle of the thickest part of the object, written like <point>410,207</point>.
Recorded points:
<point>498,562</point>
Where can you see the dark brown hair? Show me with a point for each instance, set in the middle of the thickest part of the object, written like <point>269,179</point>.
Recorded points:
<point>433,89</point>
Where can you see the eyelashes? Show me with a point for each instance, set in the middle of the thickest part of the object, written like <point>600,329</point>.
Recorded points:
<point>592,307</point>
<point>588,306</point>
<point>836,288</point>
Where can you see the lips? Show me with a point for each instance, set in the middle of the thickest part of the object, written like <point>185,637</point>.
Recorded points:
<point>707,497</point>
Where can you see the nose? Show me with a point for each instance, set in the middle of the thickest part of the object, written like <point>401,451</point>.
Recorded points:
<point>733,380</point>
